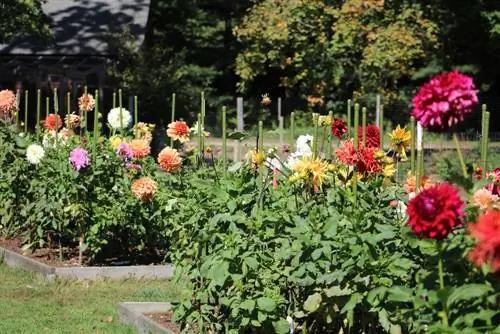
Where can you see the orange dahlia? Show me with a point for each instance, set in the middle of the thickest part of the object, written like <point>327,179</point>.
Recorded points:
<point>411,183</point>
<point>53,122</point>
<point>487,233</point>
<point>140,148</point>
<point>86,102</point>
<point>144,188</point>
<point>7,102</point>
<point>178,130</point>
<point>169,160</point>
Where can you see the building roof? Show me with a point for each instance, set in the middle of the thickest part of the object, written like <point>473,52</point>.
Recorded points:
<point>83,27</point>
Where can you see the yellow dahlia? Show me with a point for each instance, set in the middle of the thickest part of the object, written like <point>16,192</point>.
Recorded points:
<point>312,170</point>
<point>400,141</point>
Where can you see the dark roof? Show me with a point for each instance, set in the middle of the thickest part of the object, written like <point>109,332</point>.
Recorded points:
<point>83,27</point>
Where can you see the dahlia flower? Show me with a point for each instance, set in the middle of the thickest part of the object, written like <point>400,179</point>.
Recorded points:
<point>143,131</point>
<point>125,151</point>
<point>140,148</point>
<point>178,130</point>
<point>7,102</point>
<point>444,101</point>
<point>339,128</point>
<point>34,154</point>
<point>435,211</point>
<point>400,141</point>
<point>52,139</point>
<point>266,100</point>
<point>346,153</point>
<point>303,145</point>
<point>487,233</point>
<point>72,120</point>
<point>119,119</point>
<point>169,160</point>
<point>411,183</point>
<point>115,141</point>
<point>144,189</point>
<point>372,135</point>
<point>86,103</point>
<point>313,171</point>
<point>483,199</point>
<point>79,158</point>
<point>324,120</point>
<point>494,187</point>
<point>134,167</point>
<point>53,122</point>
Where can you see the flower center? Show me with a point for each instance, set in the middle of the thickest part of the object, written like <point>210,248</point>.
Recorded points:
<point>429,207</point>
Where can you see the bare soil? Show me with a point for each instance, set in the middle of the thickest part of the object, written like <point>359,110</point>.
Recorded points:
<point>164,320</point>
<point>51,256</point>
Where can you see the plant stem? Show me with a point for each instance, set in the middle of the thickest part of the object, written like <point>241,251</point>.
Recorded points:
<point>412,152</point>
<point>292,130</point>
<point>441,282</point>
<point>172,117</point>
<point>381,126</point>
<point>38,106</point>
<point>26,111</point>
<point>356,124</point>
<point>224,142</point>
<point>136,110</point>
<point>460,156</point>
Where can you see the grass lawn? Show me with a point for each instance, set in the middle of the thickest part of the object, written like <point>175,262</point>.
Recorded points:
<point>28,304</point>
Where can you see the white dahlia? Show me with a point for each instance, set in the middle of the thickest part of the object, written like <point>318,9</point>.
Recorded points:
<point>117,121</point>
<point>34,154</point>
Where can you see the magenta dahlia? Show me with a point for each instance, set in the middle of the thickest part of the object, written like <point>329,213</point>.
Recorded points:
<point>444,101</point>
<point>435,211</point>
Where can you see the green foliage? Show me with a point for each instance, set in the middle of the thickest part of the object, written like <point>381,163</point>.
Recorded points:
<point>23,17</point>
<point>320,259</point>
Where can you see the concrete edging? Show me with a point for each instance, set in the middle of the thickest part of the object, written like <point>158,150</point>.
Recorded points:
<point>132,313</point>
<point>13,259</point>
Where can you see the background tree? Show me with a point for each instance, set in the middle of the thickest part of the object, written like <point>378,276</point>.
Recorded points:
<point>22,17</point>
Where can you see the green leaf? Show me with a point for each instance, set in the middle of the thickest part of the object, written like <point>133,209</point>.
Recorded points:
<point>237,135</point>
<point>266,304</point>
<point>383,319</point>
<point>312,302</point>
<point>248,305</point>
<point>281,326</point>
<point>467,292</point>
<point>353,301</point>
<point>400,294</point>
<point>336,291</point>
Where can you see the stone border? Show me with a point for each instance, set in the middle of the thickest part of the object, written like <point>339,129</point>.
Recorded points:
<point>132,313</point>
<point>13,259</point>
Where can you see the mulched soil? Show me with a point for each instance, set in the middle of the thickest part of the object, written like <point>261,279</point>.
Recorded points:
<point>164,320</point>
<point>50,256</point>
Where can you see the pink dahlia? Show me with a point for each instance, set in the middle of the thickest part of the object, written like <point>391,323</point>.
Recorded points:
<point>494,187</point>
<point>79,158</point>
<point>444,101</point>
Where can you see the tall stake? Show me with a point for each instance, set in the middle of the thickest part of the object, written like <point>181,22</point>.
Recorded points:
<point>292,131</point>
<point>68,103</point>
<point>483,137</point>
<point>224,142</point>
<point>56,112</point>
<point>486,139</point>
<point>84,122</point>
<point>329,138</point>
<point>120,101</point>
<point>172,117</point>
<point>316,135</point>
<point>381,126</point>
<point>47,108</point>
<point>26,111</point>
<point>201,153</point>
<point>136,110</point>
<point>412,152</point>
<point>18,106</point>
<point>96,126</point>
<point>418,173</point>
<point>38,106</point>
<point>202,119</point>
<point>363,122</point>
<point>349,107</point>
<point>356,125</point>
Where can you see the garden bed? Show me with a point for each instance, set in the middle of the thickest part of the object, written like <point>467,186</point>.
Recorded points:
<point>33,263</point>
<point>148,317</point>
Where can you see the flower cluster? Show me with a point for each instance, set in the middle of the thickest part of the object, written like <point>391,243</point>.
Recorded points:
<point>144,131</point>
<point>367,160</point>
<point>444,101</point>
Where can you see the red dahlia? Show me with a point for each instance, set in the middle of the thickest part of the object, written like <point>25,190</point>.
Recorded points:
<point>372,135</point>
<point>487,234</point>
<point>53,122</point>
<point>339,128</point>
<point>367,162</point>
<point>435,211</point>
